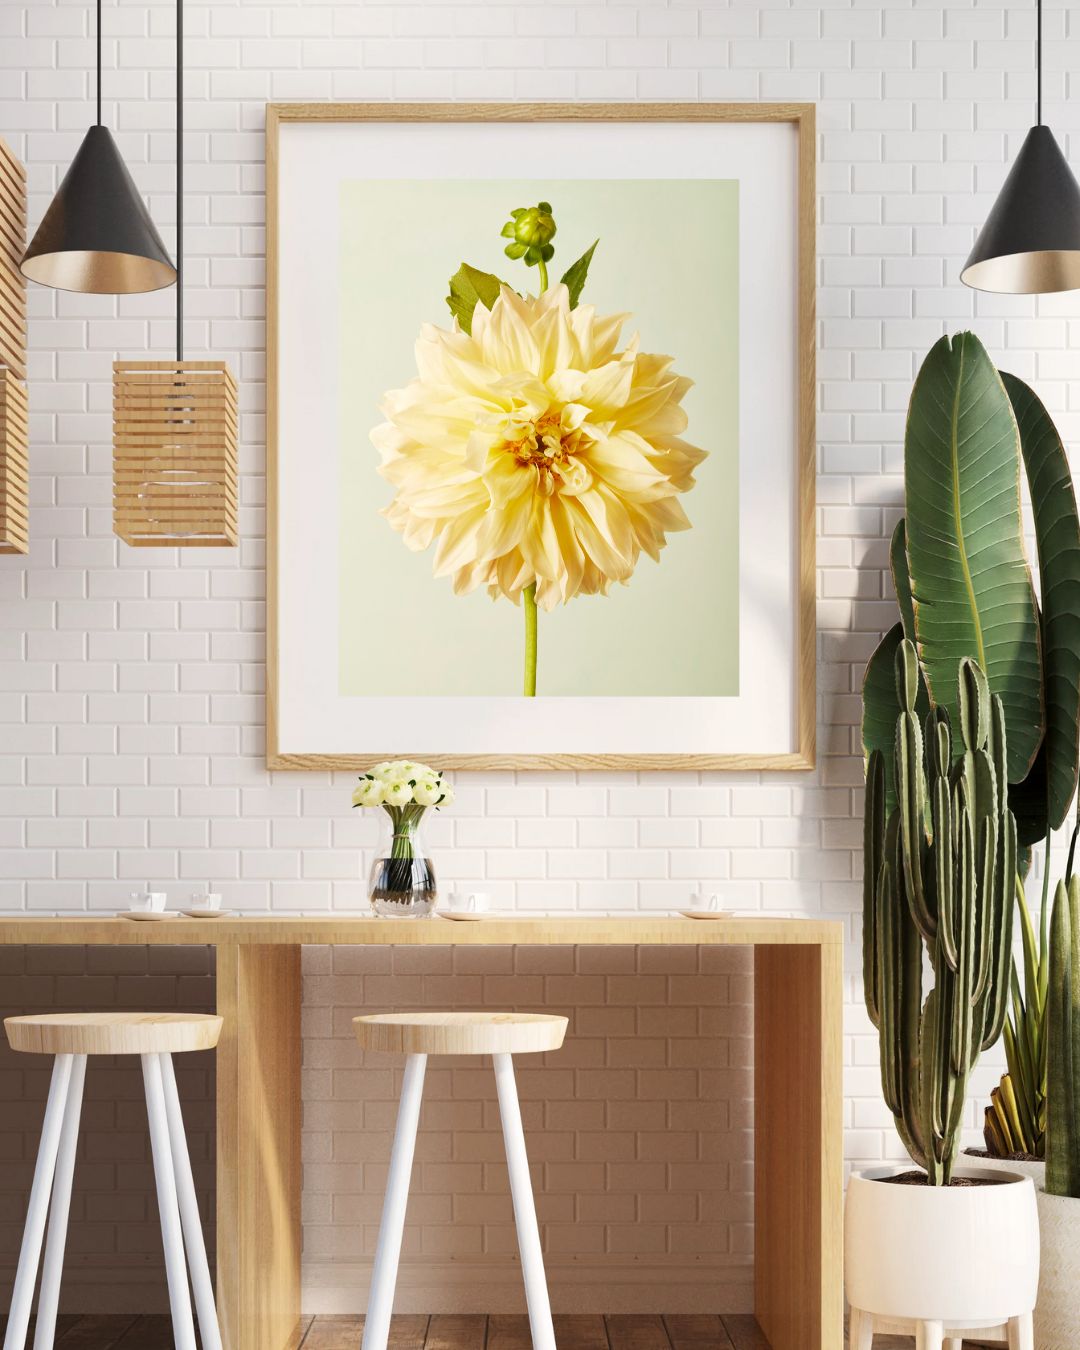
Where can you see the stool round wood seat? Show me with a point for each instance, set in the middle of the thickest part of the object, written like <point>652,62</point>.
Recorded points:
<point>417,1035</point>
<point>113,1033</point>
<point>460,1033</point>
<point>71,1038</point>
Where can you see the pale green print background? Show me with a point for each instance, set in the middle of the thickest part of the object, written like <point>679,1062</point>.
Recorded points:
<point>668,255</point>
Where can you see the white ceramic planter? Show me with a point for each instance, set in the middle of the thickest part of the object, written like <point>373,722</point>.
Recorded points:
<point>1057,1313</point>
<point>1057,1310</point>
<point>941,1260</point>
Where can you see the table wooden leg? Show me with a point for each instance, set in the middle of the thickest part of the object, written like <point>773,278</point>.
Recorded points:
<point>798,1169</point>
<point>258,1146</point>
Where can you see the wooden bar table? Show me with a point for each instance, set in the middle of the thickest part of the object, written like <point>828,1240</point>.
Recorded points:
<point>798,1185</point>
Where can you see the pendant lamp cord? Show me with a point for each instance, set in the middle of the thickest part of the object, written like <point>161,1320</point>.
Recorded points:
<point>1038,62</point>
<point>179,179</point>
<point>99,62</point>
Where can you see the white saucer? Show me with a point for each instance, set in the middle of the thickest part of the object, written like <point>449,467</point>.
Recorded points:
<point>465,915</point>
<point>706,913</point>
<point>145,915</point>
<point>206,913</point>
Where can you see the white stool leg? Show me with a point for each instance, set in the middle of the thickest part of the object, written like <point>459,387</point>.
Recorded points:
<point>860,1330</point>
<point>517,1164</point>
<point>929,1335</point>
<point>189,1212</point>
<point>52,1268</point>
<point>392,1226</point>
<point>171,1233</point>
<point>1021,1333</point>
<point>22,1295</point>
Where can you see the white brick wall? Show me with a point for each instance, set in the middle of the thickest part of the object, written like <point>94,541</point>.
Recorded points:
<point>131,683</point>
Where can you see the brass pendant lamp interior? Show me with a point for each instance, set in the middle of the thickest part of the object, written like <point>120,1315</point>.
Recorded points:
<point>97,236</point>
<point>1030,244</point>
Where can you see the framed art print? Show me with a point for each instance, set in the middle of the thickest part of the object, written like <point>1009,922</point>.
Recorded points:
<point>541,435</point>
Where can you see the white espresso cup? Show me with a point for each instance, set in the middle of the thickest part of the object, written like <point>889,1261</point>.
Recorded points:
<point>475,903</point>
<point>142,901</point>
<point>206,900</point>
<point>709,903</point>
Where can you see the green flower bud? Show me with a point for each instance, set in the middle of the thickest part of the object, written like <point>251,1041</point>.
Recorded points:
<point>530,230</point>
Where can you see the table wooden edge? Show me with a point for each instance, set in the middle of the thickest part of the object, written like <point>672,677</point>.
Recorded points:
<point>353,930</point>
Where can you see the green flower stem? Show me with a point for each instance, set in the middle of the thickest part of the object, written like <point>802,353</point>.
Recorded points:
<point>406,821</point>
<point>542,268</point>
<point>529,597</point>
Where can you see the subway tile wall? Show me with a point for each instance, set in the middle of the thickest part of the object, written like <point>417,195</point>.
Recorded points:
<point>131,703</point>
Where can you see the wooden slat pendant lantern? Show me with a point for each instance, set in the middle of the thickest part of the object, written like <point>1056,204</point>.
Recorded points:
<point>174,453</point>
<point>14,412</point>
<point>175,423</point>
<point>14,465</point>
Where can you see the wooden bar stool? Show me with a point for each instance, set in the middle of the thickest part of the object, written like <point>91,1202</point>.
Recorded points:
<point>155,1038</point>
<point>417,1035</point>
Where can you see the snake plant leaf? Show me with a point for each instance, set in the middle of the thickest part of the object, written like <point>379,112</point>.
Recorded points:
<point>881,708</point>
<point>1057,535</point>
<point>971,586</point>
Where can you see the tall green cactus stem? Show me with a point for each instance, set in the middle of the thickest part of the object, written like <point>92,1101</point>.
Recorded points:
<point>1063,1048</point>
<point>940,872</point>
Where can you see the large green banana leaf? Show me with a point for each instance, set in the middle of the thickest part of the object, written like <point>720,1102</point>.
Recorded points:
<point>901,580</point>
<point>1057,533</point>
<point>970,582</point>
<point>881,708</point>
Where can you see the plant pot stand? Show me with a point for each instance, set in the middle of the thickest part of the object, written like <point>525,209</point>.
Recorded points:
<point>1017,1332</point>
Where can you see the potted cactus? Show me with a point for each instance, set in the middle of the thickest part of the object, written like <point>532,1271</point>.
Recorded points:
<point>941,1248</point>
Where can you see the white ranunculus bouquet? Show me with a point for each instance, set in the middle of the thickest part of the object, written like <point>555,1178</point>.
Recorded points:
<point>399,783</point>
<point>402,877</point>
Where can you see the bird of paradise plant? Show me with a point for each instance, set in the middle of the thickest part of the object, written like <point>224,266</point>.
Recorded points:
<point>965,590</point>
<point>539,457</point>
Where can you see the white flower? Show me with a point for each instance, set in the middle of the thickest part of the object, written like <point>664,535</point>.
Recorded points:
<point>369,792</point>
<point>427,792</point>
<point>448,795</point>
<point>399,793</point>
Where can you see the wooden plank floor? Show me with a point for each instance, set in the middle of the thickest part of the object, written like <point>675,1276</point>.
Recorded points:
<point>442,1332</point>
<point>120,1332</point>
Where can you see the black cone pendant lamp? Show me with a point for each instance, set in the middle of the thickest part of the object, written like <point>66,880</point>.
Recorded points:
<point>1030,244</point>
<point>97,235</point>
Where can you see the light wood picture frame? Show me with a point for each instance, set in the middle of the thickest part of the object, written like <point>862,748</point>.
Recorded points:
<point>315,152</point>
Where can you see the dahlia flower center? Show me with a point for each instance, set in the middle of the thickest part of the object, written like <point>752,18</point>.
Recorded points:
<point>553,450</point>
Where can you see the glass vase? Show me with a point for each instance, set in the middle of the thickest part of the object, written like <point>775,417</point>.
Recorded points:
<point>402,884</point>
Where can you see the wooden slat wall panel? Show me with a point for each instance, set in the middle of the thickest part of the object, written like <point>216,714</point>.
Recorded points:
<point>175,453</point>
<point>14,413</point>
<point>14,465</point>
<point>12,247</point>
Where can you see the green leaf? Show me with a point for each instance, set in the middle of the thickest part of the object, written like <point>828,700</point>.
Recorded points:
<point>468,287</point>
<point>1057,534</point>
<point>1029,802</point>
<point>881,708</point>
<point>574,276</point>
<point>971,586</point>
<point>901,580</point>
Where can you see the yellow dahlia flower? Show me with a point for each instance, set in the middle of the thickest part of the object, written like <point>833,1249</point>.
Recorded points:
<point>534,452</point>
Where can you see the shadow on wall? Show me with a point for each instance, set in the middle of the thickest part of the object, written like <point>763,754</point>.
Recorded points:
<point>114,1260</point>
<point>639,1130</point>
